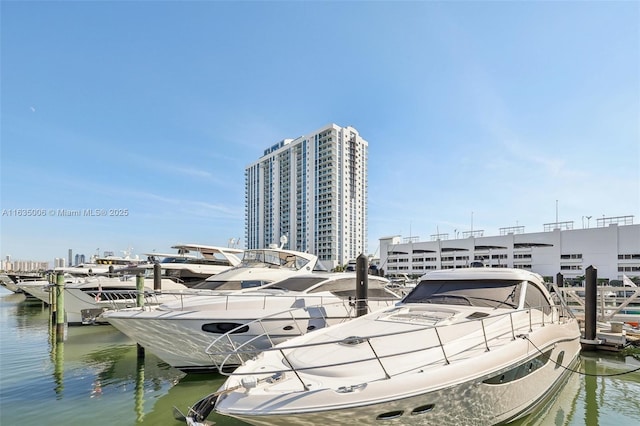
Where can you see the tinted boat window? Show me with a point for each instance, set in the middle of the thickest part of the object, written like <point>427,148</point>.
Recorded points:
<point>489,293</point>
<point>298,283</point>
<point>535,299</point>
<point>228,285</point>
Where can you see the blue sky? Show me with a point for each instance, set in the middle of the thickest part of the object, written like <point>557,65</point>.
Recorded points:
<point>475,112</point>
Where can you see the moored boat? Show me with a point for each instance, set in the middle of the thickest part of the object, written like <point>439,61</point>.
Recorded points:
<point>87,298</point>
<point>179,333</point>
<point>466,346</point>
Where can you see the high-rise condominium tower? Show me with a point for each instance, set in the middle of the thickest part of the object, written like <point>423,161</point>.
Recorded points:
<point>313,191</point>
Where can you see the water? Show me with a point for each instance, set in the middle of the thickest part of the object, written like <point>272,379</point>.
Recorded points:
<point>95,378</point>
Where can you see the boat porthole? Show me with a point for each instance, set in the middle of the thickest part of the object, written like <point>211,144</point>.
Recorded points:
<point>224,327</point>
<point>422,409</point>
<point>560,359</point>
<point>311,327</point>
<point>390,415</point>
<point>288,328</point>
<point>502,379</point>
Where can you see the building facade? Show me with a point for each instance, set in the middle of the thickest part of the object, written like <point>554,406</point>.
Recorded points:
<point>9,265</point>
<point>612,247</point>
<point>311,190</point>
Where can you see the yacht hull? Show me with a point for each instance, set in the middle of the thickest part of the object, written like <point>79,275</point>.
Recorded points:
<point>181,338</point>
<point>422,397</point>
<point>84,303</point>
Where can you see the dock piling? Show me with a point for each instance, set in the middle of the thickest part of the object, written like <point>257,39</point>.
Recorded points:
<point>60,315</point>
<point>53,298</point>
<point>157,277</point>
<point>139,290</point>
<point>140,304</point>
<point>589,342</point>
<point>362,284</point>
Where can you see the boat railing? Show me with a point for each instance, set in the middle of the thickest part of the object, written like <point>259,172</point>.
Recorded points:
<point>114,298</point>
<point>228,346</point>
<point>441,344</point>
<point>260,298</point>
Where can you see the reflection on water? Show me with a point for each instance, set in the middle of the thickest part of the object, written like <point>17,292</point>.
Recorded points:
<point>95,377</point>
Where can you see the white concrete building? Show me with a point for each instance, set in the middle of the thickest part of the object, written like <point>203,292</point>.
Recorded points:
<point>9,265</point>
<point>313,191</point>
<point>612,247</point>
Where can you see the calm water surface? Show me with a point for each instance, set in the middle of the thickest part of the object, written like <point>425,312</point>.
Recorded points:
<point>94,378</point>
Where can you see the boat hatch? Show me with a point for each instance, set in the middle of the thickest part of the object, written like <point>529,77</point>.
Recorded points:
<point>390,415</point>
<point>422,315</point>
<point>224,327</point>
<point>353,340</point>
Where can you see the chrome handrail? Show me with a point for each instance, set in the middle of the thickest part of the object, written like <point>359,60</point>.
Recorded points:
<point>317,310</point>
<point>513,329</point>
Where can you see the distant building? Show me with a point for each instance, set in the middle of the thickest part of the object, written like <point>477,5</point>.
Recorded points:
<point>313,191</point>
<point>613,248</point>
<point>9,265</point>
<point>58,262</point>
<point>79,259</point>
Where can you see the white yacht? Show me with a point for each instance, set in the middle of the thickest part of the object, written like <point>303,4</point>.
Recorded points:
<point>259,267</point>
<point>106,263</point>
<point>474,346</point>
<point>86,299</point>
<point>33,286</point>
<point>179,334</point>
<point>10,281</point>
<point>194,263</point>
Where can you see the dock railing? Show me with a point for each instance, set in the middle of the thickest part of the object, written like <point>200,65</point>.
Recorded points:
<point>613,302</point>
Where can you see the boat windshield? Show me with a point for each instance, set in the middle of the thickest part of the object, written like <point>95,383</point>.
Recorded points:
<point>480,293</point>
<point>229,284</point>
<point>176,260</point>
<point>273,258</point>
<point>298,283</point>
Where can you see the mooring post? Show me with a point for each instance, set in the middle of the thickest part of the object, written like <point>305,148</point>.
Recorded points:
<point>53,298</point>
<point>139,290</point>
<point>140,304</point>
<point>559,280</point>
<point>590,299</point>
<point>362,284</point>
<point>60,315</point>
<point>157,277</point>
